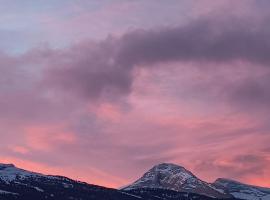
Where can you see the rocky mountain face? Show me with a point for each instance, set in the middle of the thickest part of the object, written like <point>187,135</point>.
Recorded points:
<point>176,178</point>
<point>19,184</point>
<point>164,181</point>
<point>243,191</point>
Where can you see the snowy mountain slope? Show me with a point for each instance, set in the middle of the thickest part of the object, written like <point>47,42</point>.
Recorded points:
<point>177,178</point>
<point>163,181</point>
<point>19,184</point>
<point>9,173</point>
<point>243,191</point>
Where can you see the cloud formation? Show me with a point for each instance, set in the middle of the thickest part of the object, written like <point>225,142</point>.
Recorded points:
<point>194,91</point>
<point>93,69</point>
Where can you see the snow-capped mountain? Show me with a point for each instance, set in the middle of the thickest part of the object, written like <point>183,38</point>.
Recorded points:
<point>243,191</point>
<point>163,181</point>
<point>177,178</point>
<point>9,173</point>
<point>19,184</point>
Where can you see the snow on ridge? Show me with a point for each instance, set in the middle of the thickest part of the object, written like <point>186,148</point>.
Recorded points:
<point>38,189</point>
<point>9,173</point>
<point>163,173</point>
<point>226,181</point>
<point>168,176</point>
<point>244,191</point>
<point>6,192</point>
<point>2,165</point>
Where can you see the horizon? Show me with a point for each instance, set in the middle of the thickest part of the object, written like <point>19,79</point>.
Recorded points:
<point>99,91</point>
<point>143,173</point>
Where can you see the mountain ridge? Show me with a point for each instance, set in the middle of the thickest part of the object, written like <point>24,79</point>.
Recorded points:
<point>175,177</point>
<point>166,179</point>
<point>159,177</point>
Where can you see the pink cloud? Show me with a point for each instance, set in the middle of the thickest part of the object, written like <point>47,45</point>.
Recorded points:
<point>45,138</point>
<point>108,111</point>
<point>87,174</point>
<point>19,149</point>
<point>195,94</point>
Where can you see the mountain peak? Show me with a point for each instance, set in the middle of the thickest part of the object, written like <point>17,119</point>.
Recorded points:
<point>3,165</point>
<point>164,175</point>
<point>168,165</point>
<point>10,173</point>
<point>226,181</point>
<point>174,177</point>
<point>242,190</point>
<point>169,169</point>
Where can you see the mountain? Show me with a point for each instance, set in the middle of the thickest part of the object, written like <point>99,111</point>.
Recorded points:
<point>173,177</point>
<point>19,184</point>
<point>177,178</point>
<point>162,182</point>
<point>243,191</point>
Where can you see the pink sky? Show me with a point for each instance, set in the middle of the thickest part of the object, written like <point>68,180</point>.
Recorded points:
<point>102,91</point>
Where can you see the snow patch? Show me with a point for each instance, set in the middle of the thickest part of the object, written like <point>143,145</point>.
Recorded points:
<point>6,192</point>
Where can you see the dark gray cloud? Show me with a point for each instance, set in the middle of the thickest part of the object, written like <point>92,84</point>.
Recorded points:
<point>95,69</point>
<point>252,92</point>
<point>101,69</point>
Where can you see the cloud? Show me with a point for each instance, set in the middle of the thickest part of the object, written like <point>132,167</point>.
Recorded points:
<point>133,99</point>
<point>94,70</point>
<point>252,93</point>
<point>244,167</point>
<point>105,68</point>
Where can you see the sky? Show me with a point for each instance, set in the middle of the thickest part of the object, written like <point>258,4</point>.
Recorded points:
<point>102,90</point>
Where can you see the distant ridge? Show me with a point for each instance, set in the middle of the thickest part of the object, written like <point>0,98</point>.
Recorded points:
<point>163,181</point>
